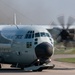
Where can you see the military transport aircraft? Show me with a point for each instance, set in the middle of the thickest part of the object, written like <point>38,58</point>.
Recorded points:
<point>26,47</point>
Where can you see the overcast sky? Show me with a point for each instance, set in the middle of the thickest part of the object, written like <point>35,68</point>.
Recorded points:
<point>35,11</point>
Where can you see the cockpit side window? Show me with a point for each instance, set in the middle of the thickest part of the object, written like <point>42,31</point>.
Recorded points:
<point>30,34</point>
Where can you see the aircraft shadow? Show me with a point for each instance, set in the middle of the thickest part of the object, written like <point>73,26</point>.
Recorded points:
<point>13,71</point>
<point>23,71</point>
<point>64,69</point>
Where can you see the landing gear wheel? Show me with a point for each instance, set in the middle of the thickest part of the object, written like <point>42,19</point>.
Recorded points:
<point>0,66</point>
<point>39,70</point>
<point>22,68</point>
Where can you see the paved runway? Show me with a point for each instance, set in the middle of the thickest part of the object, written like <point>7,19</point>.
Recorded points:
<point>61,68</point>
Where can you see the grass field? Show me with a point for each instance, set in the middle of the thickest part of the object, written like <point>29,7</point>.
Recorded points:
<point>62,50</point>
<point>69,60</point>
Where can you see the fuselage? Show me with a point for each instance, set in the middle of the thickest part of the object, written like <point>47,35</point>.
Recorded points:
<point>23,45</point>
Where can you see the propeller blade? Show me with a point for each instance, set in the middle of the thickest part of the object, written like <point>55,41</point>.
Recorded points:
<point>61,21</point>
<point>55,32</point>
<point>71,20</point>
<point>53,24</point>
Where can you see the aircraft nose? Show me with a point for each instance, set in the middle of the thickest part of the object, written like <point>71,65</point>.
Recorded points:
<point>44,50</point>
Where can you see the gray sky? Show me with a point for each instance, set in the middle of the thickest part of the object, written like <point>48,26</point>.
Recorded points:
<point>35,11</point>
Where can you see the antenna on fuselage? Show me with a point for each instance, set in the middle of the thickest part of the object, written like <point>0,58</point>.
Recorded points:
<point>15,21</point>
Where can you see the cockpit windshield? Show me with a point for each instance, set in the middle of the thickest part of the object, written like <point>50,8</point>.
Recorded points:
<point>31,34</point>
<point>37,34</point>
<point>47,35</point>
<point>42,34</point>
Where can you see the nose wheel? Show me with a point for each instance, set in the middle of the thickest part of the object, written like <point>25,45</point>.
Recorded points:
<point>0,66</point>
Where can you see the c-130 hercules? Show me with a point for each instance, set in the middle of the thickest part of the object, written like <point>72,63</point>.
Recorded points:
<point>26,47</point>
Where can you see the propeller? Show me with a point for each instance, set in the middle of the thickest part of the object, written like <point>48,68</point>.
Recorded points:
<point>61,21</point>
<point>64,32</point>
